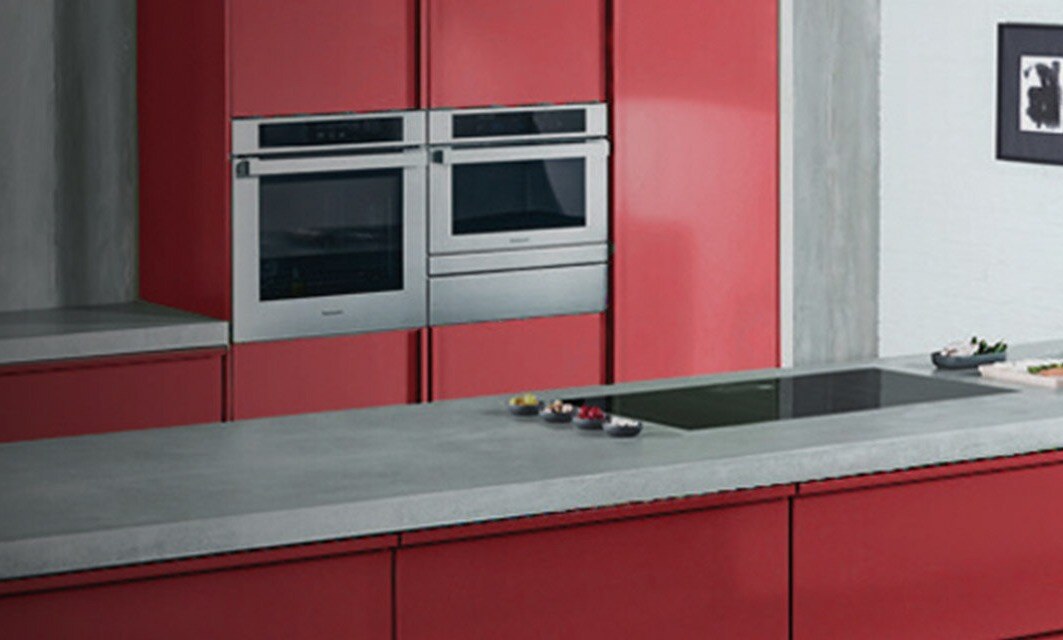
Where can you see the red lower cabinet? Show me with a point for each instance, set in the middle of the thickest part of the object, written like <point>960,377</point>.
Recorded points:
<point>324,374</point>
<point>334,597</point>
<point>716,573</point>
<point>506,357</point>
<point>977,556</point>
<point>79,397</point>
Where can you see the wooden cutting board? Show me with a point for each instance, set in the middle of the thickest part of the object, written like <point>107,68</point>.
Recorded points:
<point>1016,372</point>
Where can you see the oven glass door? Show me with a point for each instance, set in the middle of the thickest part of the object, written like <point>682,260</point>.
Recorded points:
<point>328,245</point>
<point>504,197</point>
<point>312,242</point>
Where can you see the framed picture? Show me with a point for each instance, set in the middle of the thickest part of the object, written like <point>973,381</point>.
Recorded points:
<point>1029,98</point>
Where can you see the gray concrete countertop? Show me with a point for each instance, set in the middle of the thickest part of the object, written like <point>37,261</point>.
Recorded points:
<point>108,500</point>
<point>83,332</point>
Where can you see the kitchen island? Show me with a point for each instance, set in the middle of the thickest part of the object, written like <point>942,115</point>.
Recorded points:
<point>459,513</point>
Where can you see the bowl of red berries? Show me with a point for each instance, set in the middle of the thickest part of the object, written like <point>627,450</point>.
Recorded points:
<point>589,417</point>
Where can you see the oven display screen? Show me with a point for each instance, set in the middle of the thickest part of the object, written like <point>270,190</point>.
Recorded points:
<point>521,123</point>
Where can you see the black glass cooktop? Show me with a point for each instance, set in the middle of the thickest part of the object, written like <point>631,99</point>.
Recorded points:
<point>767,399</point>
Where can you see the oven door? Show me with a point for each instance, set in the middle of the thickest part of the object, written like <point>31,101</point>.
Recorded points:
<point>490,198</point>
<point>328,245</point>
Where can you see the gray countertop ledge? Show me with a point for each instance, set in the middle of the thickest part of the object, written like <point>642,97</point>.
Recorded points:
<point>110,500</point>
<point>107,330</point>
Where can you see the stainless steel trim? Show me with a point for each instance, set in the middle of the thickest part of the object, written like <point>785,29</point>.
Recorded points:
<point>595,149</point>
<point>517,294</point>
<point>328,164</point>
<point>254,319</point>
<point>520,259</point>
<point>441,130</point>
<point>443,241</point>
<point>245,133</point>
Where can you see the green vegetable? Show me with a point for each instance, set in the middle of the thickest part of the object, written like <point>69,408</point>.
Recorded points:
<point>984,347</point>
<point>1044,367</point>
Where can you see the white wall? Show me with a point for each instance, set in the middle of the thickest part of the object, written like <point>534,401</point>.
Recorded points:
<point>968,244</point>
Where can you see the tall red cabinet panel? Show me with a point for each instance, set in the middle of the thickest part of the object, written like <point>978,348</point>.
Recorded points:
<point>974,556</point>
<point>183,137</point>
<point>322,56</point>
<point>98,395</point>
<point>718,573</point>
<point>695,187</point>
<point>324,374</point>
<point>513,52</point>
<point>517,355</point>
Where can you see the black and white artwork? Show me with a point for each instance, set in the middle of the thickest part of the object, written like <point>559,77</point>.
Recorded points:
<point>1030,93</point>
<point>1041,110</point>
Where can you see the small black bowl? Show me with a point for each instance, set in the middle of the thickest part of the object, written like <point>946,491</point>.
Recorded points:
<point>524,409</point>
<point>587,425</point>
<point>552,416</point>
<point>942,361</point>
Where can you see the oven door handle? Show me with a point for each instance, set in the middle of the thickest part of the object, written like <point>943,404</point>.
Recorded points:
<point>590,149</point>
<point>265,167</point>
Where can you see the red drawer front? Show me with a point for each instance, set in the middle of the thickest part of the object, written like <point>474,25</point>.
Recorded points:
<point>342,597</point>
<point>512,52</point>
<point>696,187</point>
<point>324,374</point>
<point>321,56</point>
<point>73,398</point>
<point>720,573</point>
<point>507,357</point>
<point>968,557</point>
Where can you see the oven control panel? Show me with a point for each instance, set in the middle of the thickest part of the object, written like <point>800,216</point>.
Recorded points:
<point>328,132</point>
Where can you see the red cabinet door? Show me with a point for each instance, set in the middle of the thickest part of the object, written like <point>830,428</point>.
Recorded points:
<point>337,597</point>
<point>72,398</point>
<point>969,557</point>
<point>695,187</point>
<point>322,56</point>
<point>517,355</point>
<point>324,374</point>
<point>719,573</point>
<point>513,52</point>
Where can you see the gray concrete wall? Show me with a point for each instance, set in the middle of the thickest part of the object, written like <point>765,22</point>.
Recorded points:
<point>68,166</point>
<point>835,180</point>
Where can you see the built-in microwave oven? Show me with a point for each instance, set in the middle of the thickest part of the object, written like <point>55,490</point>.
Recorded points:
<point>329,228</point>
<point>518,212</point>
<point>518,178</point>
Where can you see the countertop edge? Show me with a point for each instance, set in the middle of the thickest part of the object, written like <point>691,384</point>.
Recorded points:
<point>116,342</point>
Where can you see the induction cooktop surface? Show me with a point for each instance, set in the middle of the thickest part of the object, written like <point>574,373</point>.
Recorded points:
<point>784,398</point>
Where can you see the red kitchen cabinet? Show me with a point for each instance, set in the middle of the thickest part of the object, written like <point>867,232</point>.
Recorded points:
<point>701,574</point>
<point>513,52</point>
<point>72,398</point>
<point>345,596</point>
<point>695,189</point>
<point>183,143</point>
<point>517,355</point>
<point>323,56</point>
<point>324,374</point>
<point>972,556</point>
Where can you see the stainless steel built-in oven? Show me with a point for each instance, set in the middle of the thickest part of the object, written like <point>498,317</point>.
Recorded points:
<point>516,178</point>
<point>328,225</point>
<point>518,212</point>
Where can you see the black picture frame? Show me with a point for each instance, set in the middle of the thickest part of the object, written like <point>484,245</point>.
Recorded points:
<point>1040,141</point>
